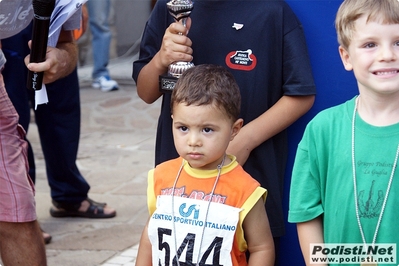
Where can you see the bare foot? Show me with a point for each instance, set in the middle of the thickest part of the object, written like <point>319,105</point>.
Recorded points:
<point>46,237</point>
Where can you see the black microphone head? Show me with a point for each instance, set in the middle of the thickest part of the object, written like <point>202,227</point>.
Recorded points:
<point>42,9</point>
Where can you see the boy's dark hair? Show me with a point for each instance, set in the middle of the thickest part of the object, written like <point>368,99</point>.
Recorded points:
<point>375,10</point>
<point>208,84</point>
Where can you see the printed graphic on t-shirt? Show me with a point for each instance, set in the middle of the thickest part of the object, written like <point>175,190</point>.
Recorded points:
<point>370,202</point>
<point>195,194</point>
<point>241,60</point>
<point>374,178</point>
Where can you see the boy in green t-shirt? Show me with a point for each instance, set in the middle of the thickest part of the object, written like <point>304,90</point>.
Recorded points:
<point>345,178</point>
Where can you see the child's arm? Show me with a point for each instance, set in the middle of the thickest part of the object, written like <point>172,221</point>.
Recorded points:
<point>310,232</point>
<point>144,255</point>
<point>258,236</point>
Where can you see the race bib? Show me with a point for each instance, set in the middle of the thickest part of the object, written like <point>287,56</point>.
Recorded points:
<point>191,234</point>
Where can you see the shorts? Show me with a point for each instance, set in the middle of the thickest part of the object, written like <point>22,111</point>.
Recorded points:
<point>17,202</point>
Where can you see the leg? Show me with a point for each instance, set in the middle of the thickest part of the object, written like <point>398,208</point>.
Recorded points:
<point>22,244</point>
<point>99,27</point>
<point>58,121</point>
<point>101,40</point>
<point>21,241</point>
<point>17,202</point>
<point>59,130</point>
<point>15,49</point>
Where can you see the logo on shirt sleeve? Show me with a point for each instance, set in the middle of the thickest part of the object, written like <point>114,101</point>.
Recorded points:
<point>241,60</point>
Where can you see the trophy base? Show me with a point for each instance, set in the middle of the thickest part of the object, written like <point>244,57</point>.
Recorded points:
<point>167,83</point>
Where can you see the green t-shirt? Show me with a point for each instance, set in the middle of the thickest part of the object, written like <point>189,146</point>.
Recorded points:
<point>322,179</point>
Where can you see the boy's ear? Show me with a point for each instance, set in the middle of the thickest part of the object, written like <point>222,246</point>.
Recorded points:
<point>345,58</point>
<point>236,128</point>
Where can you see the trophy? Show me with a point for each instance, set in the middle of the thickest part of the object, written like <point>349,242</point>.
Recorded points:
<point>180,10</point>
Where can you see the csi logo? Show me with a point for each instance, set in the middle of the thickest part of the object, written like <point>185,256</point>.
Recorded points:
<point>187,213</point>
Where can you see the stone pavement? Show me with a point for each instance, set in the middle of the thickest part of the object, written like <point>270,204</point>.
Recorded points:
<point>115,153</point>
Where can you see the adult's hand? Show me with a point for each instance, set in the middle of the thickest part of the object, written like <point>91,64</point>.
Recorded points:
<point>60,61</point>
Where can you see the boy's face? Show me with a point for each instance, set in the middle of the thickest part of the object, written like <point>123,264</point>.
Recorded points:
<point>202,133</point>
<point>373,55</point>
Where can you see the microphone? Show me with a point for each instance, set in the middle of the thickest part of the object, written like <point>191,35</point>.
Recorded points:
<point>42,10</point>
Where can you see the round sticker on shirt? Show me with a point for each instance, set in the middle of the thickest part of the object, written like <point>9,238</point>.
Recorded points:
<point>15,15</point>
<point>241,60</point>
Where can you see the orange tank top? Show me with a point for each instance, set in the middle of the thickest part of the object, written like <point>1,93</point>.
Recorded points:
<point>235,188</point>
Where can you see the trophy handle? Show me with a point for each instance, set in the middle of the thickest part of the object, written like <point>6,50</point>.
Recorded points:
<point>180,10</point>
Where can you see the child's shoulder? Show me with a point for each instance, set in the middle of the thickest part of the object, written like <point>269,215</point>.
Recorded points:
<point>170,164</point>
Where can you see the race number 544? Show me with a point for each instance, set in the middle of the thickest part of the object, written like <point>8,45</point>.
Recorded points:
<point>187,245</point>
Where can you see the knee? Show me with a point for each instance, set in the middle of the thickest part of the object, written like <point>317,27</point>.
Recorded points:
<point>17,230</point>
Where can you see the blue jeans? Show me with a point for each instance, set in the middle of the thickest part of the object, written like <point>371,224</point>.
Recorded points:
<point>99,27</point>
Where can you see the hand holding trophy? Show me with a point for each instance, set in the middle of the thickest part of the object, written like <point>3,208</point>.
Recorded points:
<point>180,10</point>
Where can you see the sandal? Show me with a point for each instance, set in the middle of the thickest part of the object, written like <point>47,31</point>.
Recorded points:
<point>95,210</point>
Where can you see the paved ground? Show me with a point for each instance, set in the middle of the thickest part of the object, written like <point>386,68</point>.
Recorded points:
<point>115,153</point>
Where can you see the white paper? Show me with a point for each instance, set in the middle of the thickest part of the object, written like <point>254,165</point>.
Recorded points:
<point>63,10</point>
<point>41,96</point>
